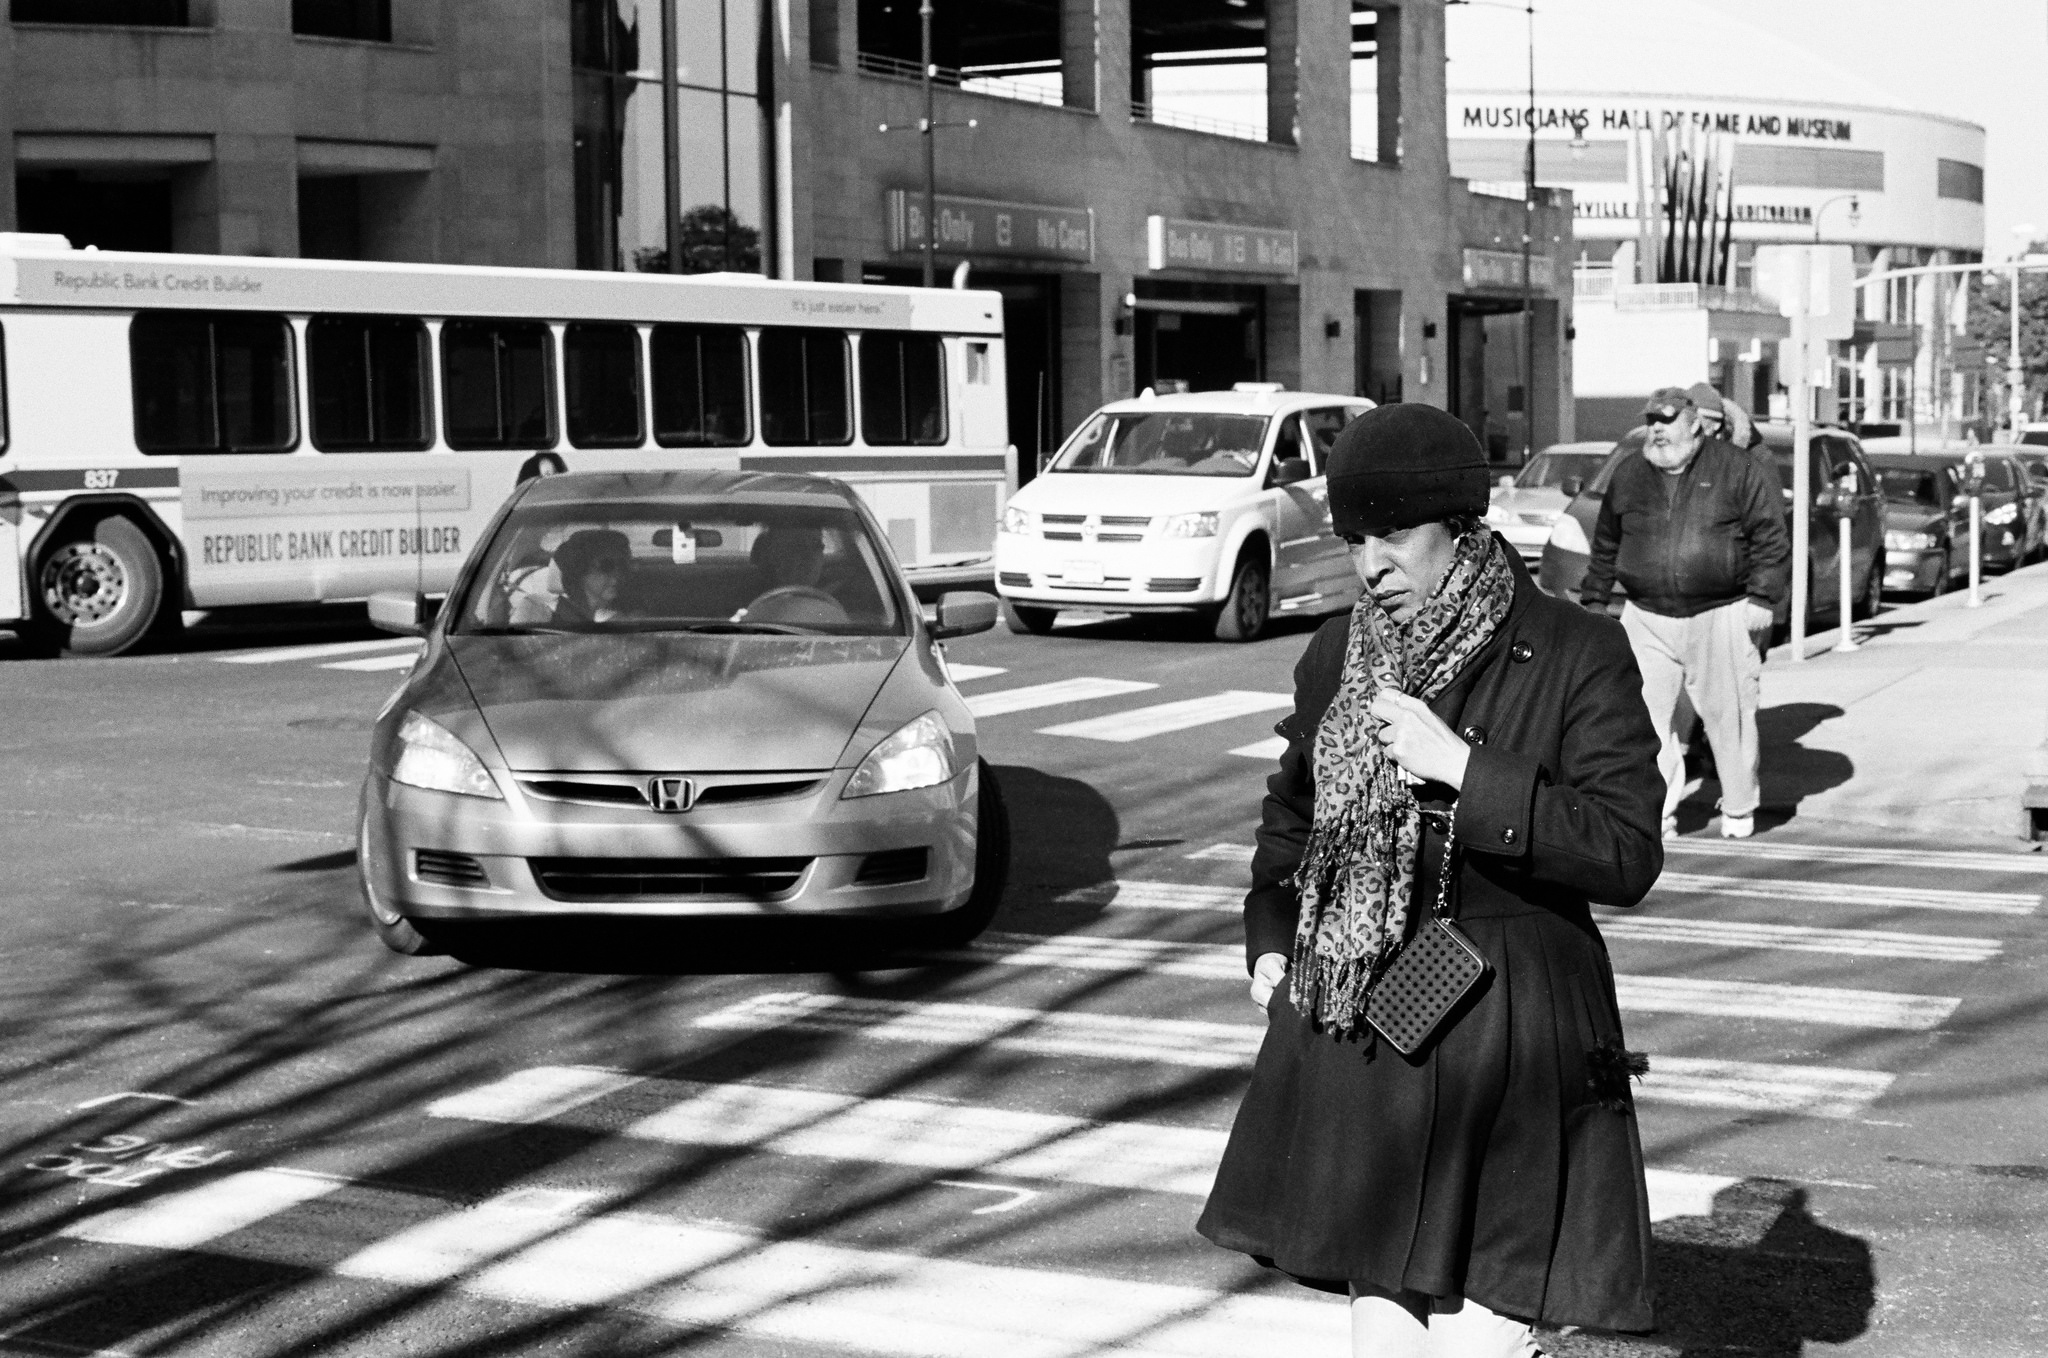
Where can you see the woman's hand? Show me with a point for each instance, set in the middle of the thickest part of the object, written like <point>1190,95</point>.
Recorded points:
<point>1268,974</point>
<point>1418,740</point>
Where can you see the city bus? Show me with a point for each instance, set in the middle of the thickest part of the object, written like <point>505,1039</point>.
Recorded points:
<point>184,432</point>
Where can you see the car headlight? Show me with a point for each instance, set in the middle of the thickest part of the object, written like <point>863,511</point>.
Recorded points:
<point>1189,525</point>
<point>1017,520</point>
<point>919,754</point>
<point>1567,536</point>
<point>1499,515</point>
<point>2005,513</point>
<point>1897,540</point>
<point>430,756</point>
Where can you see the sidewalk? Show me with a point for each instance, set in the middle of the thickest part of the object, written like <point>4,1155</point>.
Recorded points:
<point>1926,732</point>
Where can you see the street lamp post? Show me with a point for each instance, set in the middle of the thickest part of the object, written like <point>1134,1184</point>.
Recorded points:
<point>1855,212</point>
<point>928,127</point>
<point>2015,374</point>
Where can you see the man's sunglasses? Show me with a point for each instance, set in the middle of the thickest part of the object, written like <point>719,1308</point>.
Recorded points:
<point>1662,417</point>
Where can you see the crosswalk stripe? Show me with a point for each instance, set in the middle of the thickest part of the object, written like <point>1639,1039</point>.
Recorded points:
<point>2031,864</point>
<point>963,673</point>
<point>1638,994</point>
<point>1226,853</point>
<point>375,662</point>
<point>1272,747</point>
<point>1798,938</point>
<point>1816,1091</point>
<point>1059,691</point>
<point>280,654</point>
<point>951,1138</point>
<point>1850,893</point>
<point>1159,896</point>
<point>190,1218</point>
<point>1175,716</point>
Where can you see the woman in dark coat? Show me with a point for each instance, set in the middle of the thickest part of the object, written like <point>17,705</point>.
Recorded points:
<point>1496,1178</point>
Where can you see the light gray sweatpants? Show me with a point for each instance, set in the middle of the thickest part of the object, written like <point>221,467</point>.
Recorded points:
<point>1711,658</point>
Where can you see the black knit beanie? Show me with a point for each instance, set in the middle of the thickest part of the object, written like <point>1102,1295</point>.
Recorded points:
<point>1397,466</point>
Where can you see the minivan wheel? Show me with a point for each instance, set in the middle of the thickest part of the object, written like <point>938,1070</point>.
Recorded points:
<point>959,927</point>
<point>1873,590</point>
<point>1243,615</point>
<point>100,593</point>
<point>1022,618</point>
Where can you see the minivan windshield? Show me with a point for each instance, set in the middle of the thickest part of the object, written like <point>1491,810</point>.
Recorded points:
<point>1166,443</point>
<point>1553,469</point>
<point>768,567</point>
<point>1913,485</point>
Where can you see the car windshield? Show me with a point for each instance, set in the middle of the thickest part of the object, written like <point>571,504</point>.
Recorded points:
<point>1166,443</point>
<point>767,567</point>
<point>1552,470</point>
<point>1910,486</point>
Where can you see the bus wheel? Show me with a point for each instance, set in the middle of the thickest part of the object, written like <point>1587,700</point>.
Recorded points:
<point>100,593</point>
<point>1243,615</point>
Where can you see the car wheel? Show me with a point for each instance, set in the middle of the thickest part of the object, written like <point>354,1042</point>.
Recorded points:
<point>100,593</point>
<point>1243,615</point>
<point>1944,578</point>
<point>394,931</point>
<point>959,927</point>
<point>1873,590</point>
<point>1021,618</point>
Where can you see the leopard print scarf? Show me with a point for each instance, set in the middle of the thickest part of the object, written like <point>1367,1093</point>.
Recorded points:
<point>1357,876</point>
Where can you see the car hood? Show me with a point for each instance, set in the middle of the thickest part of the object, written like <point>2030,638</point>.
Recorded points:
<point>1109,493</point>
<point>669,701</point>
<point>1548,500</point>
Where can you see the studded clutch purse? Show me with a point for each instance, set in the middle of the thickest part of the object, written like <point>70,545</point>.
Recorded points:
<point>1420,993</point>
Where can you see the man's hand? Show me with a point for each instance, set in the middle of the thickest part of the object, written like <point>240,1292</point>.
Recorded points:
<point>1418,740</point>
<point>1268,974</point>
<point>1761,621</point>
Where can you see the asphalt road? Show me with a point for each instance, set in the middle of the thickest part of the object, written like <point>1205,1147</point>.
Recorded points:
<point>234,1125</point>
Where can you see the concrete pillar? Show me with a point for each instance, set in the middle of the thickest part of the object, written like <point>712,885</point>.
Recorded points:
<point>1286,344</point>
<point>1079,59</point>
<point>9,221</point>
<point>1322,81</point>
<point>1327,362</point>
<point>1095,361</point>
<point>1283,70</point>
<point>1113,60</point>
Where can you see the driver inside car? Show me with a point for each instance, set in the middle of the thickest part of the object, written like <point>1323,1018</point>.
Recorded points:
<point>593,565</point>
<point>791,560</point>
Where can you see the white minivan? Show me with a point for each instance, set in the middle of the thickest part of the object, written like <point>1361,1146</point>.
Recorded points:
<point>1205,503</point>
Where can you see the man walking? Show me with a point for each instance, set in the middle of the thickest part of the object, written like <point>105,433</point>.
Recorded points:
<point>1694,530</point>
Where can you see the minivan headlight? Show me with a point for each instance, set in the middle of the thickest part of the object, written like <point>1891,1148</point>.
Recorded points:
<point>430,756</point>
<point>1899,540</point>
<point>1499,515</point>
<point>918,754</point>
<point>1017,520</point>
<point>1202,525</point>
<point>2005,513</point>
<point>1568,536</point>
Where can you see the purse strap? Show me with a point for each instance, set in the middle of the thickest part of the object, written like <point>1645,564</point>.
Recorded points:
<point>1447,822</point>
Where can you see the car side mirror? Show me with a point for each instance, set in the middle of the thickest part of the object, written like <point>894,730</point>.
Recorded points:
<point>1572,485</point>
<point>961,613</point>
<point>409,615</point>
<point>1291,471</point>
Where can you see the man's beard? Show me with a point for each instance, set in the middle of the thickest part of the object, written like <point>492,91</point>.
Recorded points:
<point>1668,457</point>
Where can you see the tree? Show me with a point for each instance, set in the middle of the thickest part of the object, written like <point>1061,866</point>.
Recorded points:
<point>1990,323</point>
<point>713,241</point>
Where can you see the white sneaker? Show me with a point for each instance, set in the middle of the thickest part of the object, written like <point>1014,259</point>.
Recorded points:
<point>1738,827</point>
<point>1671,827</point>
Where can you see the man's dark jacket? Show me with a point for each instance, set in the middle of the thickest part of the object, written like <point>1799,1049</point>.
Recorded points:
<point>1714,534</point>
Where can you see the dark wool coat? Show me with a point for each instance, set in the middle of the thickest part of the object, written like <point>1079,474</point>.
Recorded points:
<point>1503,1164</point>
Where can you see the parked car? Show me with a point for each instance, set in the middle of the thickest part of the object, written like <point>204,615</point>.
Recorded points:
<point>1927,517</point>
<point>679,694</point>
<point>1524,506</point>
<point>1207,504</point>
<point>1835,454</point>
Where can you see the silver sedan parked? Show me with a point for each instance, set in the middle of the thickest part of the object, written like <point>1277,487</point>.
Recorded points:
<point>680,693</point>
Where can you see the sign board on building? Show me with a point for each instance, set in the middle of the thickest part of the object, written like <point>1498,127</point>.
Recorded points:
<point>985,226</point>
<point>1818,281</point>
<point>1219,247</point>
<point>1503,269</point>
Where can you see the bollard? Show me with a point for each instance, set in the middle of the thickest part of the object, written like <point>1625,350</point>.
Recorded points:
<point>1976,488</point>
<point>1845,525</point>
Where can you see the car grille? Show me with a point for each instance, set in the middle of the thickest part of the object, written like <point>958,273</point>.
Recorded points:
<point>630,789</point>
<point>596,880</point>
<point>1174,586</point>
<point>1069,529</point>
<point>1015,579</point>
<point>448,869</point>
<point>892,867</point>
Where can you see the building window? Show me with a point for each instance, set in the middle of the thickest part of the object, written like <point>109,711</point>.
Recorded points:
<point>602,365</point>
<point>211,382</point>
<point>804,391</point>
<point>902,389</point>
<point>363,20</point>
<point>1959,179</point>
<point>497,378</point>
<point>368,376</point>
<point>700,386</point>
<point>142,13</point>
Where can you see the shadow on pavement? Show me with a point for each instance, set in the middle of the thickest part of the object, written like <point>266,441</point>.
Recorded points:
<point>1791,771</point>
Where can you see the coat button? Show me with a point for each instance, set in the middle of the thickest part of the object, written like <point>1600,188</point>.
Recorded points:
<point>1522,651</point>
<point>1474,735</point>
<point>1507,834</point>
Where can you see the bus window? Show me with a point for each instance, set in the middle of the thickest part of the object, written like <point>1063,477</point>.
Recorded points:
<point>211,382</point>
<point>495,378</point>
<point>602,363</point>
<point>804,387</point>
<point>700,386</point>
<point>369,383</point>
<point>3,389</point>
<point>902,388</point>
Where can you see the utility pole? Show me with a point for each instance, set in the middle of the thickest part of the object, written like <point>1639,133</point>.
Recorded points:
<point>926,128</point>
<point>1528,249</point>
<point>2015,402</point>
<point>671,152</point>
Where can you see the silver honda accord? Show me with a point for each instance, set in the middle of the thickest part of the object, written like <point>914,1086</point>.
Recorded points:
<point>680,693</point>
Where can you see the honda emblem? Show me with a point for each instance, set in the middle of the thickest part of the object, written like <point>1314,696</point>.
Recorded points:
<point>671,794</point>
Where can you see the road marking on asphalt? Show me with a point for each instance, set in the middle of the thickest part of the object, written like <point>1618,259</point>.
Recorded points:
<point>1637,994</point>
<point>1227,853</point>
<point>280,654</point>
<point>533,1095</point>
<point>1270,748</point>
<point>1159,896</point>
<point>1798,938</point>
<point>1116,1037</point>
<point>188,1219</point>
<point>1850,893</point>
<point>2033,864</point>
<point>1142,722</point>
<point>963,673</point>
<point>1754,1087</point>
<point>1052,695</point>
<point>376,662</point>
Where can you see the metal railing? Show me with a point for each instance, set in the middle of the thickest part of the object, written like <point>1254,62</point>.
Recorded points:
<point>1195,122</point>
<point>967,82</point>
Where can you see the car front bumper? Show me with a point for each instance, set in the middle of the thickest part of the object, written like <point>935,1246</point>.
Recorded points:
<point>512,853</point>
<point>1154,576</point>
